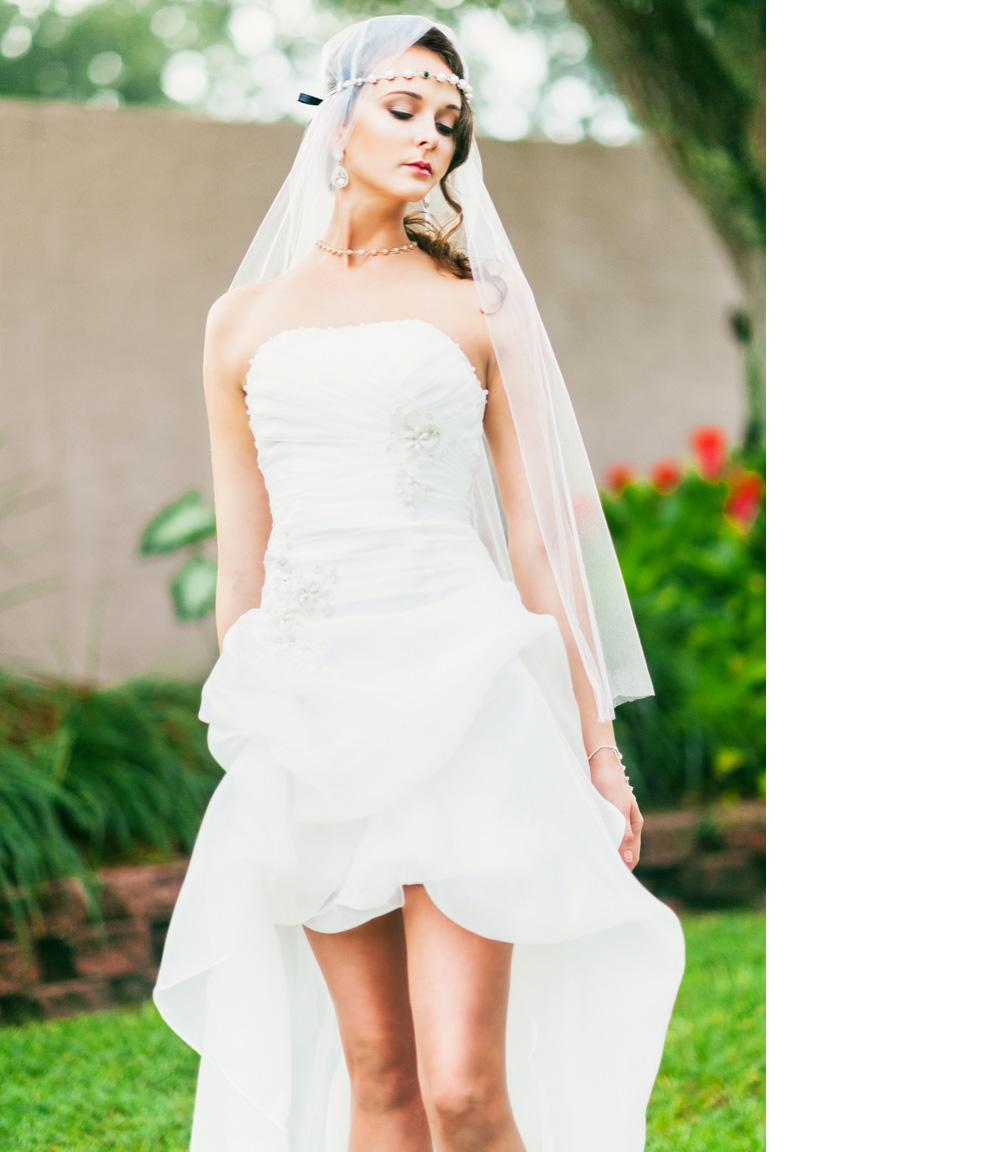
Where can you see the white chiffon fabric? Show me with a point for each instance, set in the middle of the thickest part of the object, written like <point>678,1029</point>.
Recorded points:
<point>392,714</point>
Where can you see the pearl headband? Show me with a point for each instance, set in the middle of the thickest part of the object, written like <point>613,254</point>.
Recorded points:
<point>357,81</point>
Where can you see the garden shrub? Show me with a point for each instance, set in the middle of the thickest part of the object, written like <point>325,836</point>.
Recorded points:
<point>691,542</point>
<point>92,777</point>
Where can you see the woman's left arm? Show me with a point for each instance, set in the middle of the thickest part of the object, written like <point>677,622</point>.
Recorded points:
<point>536,583</point>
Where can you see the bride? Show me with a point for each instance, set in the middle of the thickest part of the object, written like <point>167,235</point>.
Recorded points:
<point>409,921</point>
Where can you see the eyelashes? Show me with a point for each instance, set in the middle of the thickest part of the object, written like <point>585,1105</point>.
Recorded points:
<point>444,129</point>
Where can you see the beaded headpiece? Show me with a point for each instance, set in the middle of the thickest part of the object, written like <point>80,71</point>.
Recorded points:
<point>357,81</point>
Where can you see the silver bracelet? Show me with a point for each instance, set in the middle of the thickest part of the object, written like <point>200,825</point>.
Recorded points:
<point>614,748</point>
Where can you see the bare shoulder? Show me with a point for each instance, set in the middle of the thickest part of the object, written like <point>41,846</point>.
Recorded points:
<point>469,323</point>
<point>229,321</point>
<point>466,297</point>
<point>228,316</point>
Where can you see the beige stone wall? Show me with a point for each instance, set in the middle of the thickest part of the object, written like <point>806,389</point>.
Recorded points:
<point>118,230</point>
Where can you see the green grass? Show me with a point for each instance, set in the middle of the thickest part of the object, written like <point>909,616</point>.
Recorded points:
<point>101,1082</point>
<point>709,1095</point>
<point>123,1082</point>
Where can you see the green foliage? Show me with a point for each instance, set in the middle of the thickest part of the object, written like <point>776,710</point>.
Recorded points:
<point>186,521</point>
<point>186,524</point>
<point>34,846</point>
<point>193,588</point>
<point>696,580</point>
<point>66,57</point>
<point>94,777</point>
<point>138,770</point>
<point>116,46</point>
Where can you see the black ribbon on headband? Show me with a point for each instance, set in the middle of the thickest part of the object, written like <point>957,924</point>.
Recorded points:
<point>305,98</point>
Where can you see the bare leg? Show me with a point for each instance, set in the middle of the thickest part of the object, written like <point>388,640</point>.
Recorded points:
<point>365,971</point>
<point>459,984</point>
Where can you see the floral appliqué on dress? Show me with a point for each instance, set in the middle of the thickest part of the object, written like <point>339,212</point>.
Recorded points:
<point>294,594</point>
<point>414,436</point>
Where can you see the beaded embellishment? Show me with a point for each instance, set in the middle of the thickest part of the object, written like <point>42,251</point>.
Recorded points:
<point>294,594</point>
<point>414,436</point>
<point>443,77</point>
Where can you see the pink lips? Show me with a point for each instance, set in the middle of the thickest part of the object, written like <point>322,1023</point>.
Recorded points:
<point>424,168</point>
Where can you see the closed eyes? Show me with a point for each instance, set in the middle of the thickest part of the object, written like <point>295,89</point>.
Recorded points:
<point>444,129</point>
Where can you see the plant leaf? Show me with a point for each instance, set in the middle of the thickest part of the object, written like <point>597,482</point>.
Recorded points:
<point>193,587</point>
<point>185,521</point>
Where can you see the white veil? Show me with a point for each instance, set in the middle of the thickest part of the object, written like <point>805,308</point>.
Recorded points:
<point>564,494</point>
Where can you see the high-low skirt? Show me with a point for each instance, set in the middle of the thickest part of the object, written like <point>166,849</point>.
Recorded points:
<point>423,732</point>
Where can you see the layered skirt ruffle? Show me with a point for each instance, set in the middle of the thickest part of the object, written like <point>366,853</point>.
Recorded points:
<point>437,745</point>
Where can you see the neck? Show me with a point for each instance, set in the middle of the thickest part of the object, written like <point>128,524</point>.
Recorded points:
<point>356,224</point>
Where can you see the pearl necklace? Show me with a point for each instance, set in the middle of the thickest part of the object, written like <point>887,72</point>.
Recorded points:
<point>361,251</point>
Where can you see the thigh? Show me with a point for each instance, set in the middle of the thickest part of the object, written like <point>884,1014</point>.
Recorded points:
<point>459,985</point>
<point>365,972</point>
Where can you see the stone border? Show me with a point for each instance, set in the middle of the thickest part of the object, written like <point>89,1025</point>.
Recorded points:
<point>709,859</point>
<point>715,858</point>
<point>77,966</point>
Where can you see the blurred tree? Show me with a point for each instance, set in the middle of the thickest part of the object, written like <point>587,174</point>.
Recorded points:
<point>693,73</point>
<point>109,53</point>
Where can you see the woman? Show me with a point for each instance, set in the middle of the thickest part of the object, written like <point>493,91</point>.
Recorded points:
<point>420,857</point>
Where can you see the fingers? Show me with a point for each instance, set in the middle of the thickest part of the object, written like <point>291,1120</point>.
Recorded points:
<point>636,823</point>
<point>631,845</point>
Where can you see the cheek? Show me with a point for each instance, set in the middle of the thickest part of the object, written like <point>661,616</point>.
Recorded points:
<point>390,137</point>
<point>375,128</point>
<point>372,144</point>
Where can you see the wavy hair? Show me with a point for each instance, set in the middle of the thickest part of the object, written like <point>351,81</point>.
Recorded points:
<point>436,240</point>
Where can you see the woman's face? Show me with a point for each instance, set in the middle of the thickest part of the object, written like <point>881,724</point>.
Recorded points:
<point>400,142</point>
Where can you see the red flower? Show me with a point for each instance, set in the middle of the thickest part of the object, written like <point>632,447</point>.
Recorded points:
<point>743,501</point>
<point>709,448</point>
<point>618,475</point>
<point>665,474</point>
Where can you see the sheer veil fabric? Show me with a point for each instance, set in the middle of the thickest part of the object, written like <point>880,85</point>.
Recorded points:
<point>564,493</point>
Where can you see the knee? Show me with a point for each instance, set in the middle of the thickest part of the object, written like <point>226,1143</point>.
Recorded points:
<point>383,1074</point>
<point>470,1110</point>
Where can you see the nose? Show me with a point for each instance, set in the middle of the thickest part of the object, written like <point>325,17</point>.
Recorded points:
<point>425,135</point>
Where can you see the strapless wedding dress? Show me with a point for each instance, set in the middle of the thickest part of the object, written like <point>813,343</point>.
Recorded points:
<point>392,714</point>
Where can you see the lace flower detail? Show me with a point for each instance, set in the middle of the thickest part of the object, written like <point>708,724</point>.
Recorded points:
<point>414,436</point>
<point>294,594</point>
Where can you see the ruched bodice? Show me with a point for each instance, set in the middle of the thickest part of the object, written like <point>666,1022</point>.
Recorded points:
<point>368,438</point>
<point>365,425</point>
<point>393,714</point>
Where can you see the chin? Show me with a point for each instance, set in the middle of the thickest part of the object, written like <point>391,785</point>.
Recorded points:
<point>414,190</point>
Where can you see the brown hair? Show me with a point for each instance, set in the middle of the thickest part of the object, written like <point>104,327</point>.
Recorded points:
<point>436,240</point>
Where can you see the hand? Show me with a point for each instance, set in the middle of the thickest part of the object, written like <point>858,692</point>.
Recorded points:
<point>607,774</point>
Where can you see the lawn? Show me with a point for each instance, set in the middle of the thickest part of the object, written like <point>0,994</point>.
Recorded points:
<point>123,1082</point>
<point>709,1095</point>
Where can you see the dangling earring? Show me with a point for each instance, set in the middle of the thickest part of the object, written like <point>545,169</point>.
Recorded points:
<point>340,177</point>
<point>426,210</point>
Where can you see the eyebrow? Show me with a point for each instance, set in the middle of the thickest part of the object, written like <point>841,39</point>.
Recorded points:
<point>417,96</point>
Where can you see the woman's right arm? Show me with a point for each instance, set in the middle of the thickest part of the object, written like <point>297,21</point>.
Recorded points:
<point>242,508</point>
